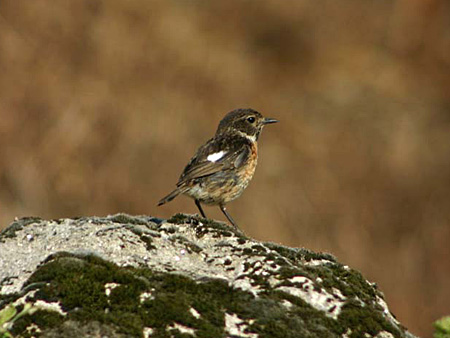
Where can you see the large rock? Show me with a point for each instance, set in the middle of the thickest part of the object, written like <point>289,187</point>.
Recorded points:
<point>125,276</point>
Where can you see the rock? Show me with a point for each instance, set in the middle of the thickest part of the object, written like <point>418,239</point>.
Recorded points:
<point>139,276</point>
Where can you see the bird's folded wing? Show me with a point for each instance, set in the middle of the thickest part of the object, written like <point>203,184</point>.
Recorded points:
<point>202,167</point>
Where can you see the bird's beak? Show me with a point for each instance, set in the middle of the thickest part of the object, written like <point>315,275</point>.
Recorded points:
<point>269,120</point>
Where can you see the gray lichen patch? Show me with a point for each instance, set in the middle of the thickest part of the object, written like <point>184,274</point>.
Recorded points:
<point>186,277</point>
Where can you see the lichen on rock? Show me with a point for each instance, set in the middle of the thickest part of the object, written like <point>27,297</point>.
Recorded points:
<point>139,276</point>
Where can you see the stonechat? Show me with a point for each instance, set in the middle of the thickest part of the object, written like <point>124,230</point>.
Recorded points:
<point>222,168</point>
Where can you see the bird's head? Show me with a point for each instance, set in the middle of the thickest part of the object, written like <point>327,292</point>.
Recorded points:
<point>246,122</point>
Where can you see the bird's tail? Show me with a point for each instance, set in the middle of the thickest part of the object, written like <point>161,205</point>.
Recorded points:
<point>171,196</point>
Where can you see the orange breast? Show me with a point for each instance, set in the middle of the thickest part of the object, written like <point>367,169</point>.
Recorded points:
<point>249,169</point>
<point>245,175</point>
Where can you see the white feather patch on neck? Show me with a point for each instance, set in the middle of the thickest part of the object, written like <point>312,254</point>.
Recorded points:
<point>216,156</point>
<point>248,137</point>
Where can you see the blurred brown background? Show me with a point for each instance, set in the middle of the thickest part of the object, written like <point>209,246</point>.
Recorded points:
<point>102,103</point>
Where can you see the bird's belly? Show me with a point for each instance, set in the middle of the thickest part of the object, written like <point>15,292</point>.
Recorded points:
<point>223,187</point>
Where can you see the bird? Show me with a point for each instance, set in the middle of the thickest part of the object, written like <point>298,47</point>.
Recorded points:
<point>223,167</point>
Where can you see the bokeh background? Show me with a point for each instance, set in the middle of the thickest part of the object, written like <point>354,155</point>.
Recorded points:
<point>103,102</point>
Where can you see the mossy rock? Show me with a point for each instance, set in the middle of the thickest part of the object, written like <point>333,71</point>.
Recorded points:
<point>137,276</point>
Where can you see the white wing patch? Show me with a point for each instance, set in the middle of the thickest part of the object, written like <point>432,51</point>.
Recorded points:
<point>216,156</point>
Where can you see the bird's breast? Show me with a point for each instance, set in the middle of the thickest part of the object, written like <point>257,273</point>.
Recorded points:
<point>246,171</point>
<point>227,185</point>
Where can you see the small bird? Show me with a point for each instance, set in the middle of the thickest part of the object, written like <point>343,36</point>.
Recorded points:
<point>222,168</point>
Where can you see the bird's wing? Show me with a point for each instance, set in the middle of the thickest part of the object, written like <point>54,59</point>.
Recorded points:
<point>215,156</point>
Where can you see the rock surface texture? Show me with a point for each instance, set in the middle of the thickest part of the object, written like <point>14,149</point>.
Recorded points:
<point>139,276</point>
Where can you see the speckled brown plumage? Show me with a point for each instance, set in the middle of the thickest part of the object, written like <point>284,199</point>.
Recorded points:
<point>222,168</point>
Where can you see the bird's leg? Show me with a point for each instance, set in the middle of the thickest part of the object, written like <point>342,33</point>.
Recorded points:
<point>197,203</point>
<point>224,210</point>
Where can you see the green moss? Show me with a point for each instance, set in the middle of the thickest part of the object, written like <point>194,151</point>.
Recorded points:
<point>362,319</point>
<point>362,315</point>
<point>127,219</point>
<point>171,230</point>
<point>145,236</point>
<point>299,255</point>
<point>241,240</point>
<point>350,282</point>
<point>190,247</point>
<point>78,283</point>
<point>17,225</point>
<point>301,320</point>
<point>205,226</point>
<point>179,219</point>
<point>247,251</point>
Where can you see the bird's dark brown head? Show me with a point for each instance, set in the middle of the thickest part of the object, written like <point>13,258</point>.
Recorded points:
<point>246,122</point>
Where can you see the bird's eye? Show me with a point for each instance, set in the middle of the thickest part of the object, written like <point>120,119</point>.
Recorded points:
<point>251,119</point>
